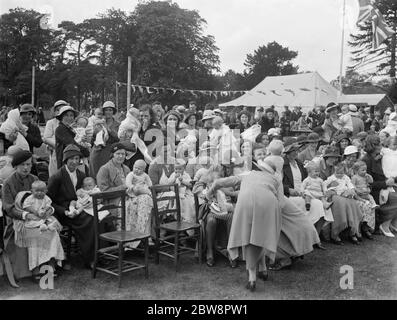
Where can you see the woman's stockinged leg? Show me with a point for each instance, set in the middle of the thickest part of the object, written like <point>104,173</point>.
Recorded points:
<point>211,232</point>
<point>319,225</point>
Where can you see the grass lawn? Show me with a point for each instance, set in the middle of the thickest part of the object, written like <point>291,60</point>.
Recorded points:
<point>317,276</point>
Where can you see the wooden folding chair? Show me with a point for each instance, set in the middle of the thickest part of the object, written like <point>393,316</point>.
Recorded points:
<point>120,238</point>
<point>169,244</point>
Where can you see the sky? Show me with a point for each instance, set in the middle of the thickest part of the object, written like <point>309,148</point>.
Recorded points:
<point>311,27</point>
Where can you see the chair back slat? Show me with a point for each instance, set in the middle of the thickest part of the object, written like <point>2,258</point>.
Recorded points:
<point>113,198</point>
<point>160,212</point>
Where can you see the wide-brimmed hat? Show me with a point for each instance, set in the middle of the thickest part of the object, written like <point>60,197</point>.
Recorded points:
<point>70,151</point>
<point>350,150</point>
<point>188,116</point>
<point>173,113</point>
<point>362,135</point>
<point>59,103</point>
<point>66,109</point>
<point>331,152</point>
<point>353,110</point>
<point>109,104</point>
<point>290,145</point>
<point>273,132</point>
<point>301,140</point>
<point>313,137</point>
<point>208,114</point>
<point>341,137</point>
<point>20,157</point>
<point>181,109</point>
<point>27,107</point>
<point>331,106</point>
<point>119,146</point>
<point>219,111</point>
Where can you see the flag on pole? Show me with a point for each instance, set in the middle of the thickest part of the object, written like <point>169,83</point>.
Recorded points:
<point>380,29</point>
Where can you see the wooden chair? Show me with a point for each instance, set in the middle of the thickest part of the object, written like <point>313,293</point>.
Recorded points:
<point>120,238</point>
<point>169,244</point>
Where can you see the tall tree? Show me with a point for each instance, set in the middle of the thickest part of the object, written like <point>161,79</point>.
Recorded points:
<point>385,57</point>
<point>269,60</point>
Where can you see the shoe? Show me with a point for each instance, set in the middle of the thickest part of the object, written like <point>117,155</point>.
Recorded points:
<point>354,240</point>
<point>392,228</point>
<point>359,238</point>
<point>233,263</point>
<point>251,286</point>
<point>263,275</point>
<point>387,234</point>
<point>338,242</point>
<point>278,266</point>
<point>368,235</point>
<point>210,262</point>
<point>320,246</point>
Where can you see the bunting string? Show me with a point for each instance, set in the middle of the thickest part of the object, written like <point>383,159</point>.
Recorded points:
<point>216,94</point>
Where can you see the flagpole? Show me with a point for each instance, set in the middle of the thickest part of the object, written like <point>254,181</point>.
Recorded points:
<point>342,50</point>
<point>33,82</point>
<point>129,83</point>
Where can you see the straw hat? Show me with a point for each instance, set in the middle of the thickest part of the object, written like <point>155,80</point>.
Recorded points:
<point>66,109</point>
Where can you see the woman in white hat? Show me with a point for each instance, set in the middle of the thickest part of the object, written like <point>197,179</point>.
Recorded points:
<point>49,136</point>
<point>101,154</point>
<point>64,133</point>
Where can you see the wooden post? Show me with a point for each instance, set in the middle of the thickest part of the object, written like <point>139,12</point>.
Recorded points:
<point>342,50</point>
<point>129,83</point>
<point>33,83</point>
<point>117,96</point>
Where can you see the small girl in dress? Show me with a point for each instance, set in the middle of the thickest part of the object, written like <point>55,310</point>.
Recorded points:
<point>340,183</point>
<point>389,160</point>
<point>313,186</point>
<point>183,180</point>
<point>39,204</point>
<point>84,200</point>
<point>362,181</point>
<point>137,181</point>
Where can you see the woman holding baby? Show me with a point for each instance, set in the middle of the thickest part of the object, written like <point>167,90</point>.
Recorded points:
<point>383,188</point>
<point>105,134</point>
<point>115,175</point>
<point>62,189</point>
<point>27,241</point>
<point>65,134</point>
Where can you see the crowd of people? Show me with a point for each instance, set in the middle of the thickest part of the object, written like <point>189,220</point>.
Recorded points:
<point>266,197</point>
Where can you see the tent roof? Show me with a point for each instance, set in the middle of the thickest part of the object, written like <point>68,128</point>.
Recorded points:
<point>370,99</point>
<point>305,90</point>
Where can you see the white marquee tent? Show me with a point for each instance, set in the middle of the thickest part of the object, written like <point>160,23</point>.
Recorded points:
<point>306,90</point>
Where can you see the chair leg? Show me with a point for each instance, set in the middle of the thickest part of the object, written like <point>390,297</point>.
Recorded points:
<point>121,257</point>
<point>147,258</point>
<point>93,271</point>
<point>8,270</point>
<point>176,251</point>
<point>69,244</point>
<point>157,247</point>
<point>200,246</point>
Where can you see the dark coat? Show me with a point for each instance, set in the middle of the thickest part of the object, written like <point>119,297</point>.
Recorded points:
<point>288,179</point>
<point>64,136</point>
<point>33,137</point>
<point>61,192</point>
<point>374,169</point>
<point>266,124</point>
